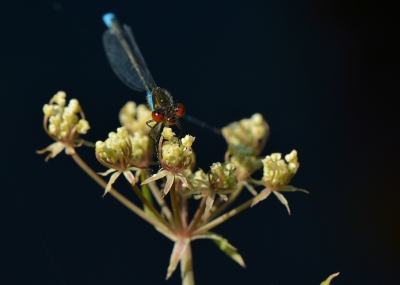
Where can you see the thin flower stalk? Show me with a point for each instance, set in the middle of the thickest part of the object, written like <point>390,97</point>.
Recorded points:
<point>143,199</point>
<point>156,193</point>
<point>131,206</point>
<point>223,218</point>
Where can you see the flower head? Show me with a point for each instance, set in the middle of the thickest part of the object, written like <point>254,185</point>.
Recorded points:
<point>176,156</point>
<point>277,174</point>
<point>64,124</point>
<point>251,132</point>
<point>220,180</point>
<point>222,177</point>
<point>134,117</point>
<point>246,139</point>
<point>244,158</point>
<point>140,149</point>
<point>117,153</point>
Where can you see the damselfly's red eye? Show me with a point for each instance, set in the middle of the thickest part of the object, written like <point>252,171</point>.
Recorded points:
<point>157,116</point>
<point>180,110</point>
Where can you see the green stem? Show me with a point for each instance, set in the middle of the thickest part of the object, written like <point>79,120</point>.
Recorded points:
<point>175,207</point>
<point>156,193</point>
<point>197,216</point>
<point>146,192</point>
<point>184,210</point>
<point>149,206</point>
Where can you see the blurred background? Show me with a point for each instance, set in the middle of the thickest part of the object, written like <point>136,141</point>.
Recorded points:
<point>324,76</point>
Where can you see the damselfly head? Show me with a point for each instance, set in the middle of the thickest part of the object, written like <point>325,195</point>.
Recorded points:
<point>168,115</point>
<point>164,108</point>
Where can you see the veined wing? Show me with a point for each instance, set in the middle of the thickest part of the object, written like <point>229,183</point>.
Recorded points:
<point>125,57</point>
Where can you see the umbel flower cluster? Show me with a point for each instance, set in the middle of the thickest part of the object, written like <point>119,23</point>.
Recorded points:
<point>63,123</point>
<point>165,195</point>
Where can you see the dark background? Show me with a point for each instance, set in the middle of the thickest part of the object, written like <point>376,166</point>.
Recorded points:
<point>325,77</point>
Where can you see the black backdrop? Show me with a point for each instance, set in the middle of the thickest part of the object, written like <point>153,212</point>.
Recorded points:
<point>325,77</point>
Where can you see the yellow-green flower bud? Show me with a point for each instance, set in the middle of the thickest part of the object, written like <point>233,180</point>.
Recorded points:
<point>187,141</point>
<point>140,146</point>
<point>74,106</point>
<point>167,133</point>
<point>83,126</point>
<point>59,98</point>
<point>48,110</point>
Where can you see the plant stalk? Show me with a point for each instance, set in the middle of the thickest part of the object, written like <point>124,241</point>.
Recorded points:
<point>187,267</point>
<point>222,218</point>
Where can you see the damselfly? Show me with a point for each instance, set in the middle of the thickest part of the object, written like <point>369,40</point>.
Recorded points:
<point>126,60</point>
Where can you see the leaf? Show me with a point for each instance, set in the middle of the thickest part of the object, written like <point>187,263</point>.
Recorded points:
<point>328,280</point>
<point>290,188</point>
<point>225,246</point>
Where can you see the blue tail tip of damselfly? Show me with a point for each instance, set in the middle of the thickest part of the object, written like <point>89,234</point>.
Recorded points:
<point>107,19</point>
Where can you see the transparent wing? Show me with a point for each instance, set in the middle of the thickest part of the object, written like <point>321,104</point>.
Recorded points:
<point>126,59</point>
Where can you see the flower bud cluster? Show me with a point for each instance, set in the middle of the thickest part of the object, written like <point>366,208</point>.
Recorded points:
<point>176,154</point>
<point>116,151</point>
<point>277,172</point>
<point>222,177</point>
<point>245,160</point>
<point>247,131</point>
<point>221,180</point>
<point>140,146</point>
<point>246,140</point>
<point>64,121</point>
<point>277,175</point>
<point>134,117</point>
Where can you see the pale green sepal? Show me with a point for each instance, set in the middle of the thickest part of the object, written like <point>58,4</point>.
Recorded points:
<point>168,184</point>
<point>282,199</point>
<point>262,196</point>
<point>154,177</point>
<point>107,172</point>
